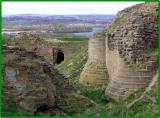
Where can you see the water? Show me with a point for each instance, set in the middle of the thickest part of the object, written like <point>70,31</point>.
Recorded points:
<point>13,33</point>
<point>89,34</point>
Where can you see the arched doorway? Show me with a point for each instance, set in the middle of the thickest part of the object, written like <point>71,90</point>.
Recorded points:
<point>60,57</point>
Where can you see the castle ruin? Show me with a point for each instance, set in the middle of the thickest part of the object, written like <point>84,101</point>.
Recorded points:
<point>95,71</point>
<point>122,49</point>
<point>33,43</point>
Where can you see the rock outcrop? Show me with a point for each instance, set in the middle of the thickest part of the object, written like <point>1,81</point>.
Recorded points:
<point>95,71</point>
<point>24,82</point>
<point>129,43</point>
<point>32,85</point>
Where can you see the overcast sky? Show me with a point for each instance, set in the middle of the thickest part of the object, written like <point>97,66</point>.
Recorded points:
<point>64,8</point>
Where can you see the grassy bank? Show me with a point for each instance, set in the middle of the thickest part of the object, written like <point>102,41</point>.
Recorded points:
<point>72,68</point>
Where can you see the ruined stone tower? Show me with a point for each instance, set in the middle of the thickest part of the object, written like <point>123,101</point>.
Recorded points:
<point>128,38</point>
<point>94,72</point>
<point>129,61</point>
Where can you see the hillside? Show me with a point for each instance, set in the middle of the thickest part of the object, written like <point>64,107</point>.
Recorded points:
<point>72,68</point>
<point>114,73</point>
<point>131,61</point>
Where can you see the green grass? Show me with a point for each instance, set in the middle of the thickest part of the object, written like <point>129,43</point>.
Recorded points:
<point>146,106</point>
<point>75,39</point>
<point>79,39</point>
<point>9,110</point>
<point>77,109</point>
<point>13,110</point>
<point>153,47</point>
<point>7,40</point>
<point>119,22</point>
<point>72,68</point>
<point>74,65</point>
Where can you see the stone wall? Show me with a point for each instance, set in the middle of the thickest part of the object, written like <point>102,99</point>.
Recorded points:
<point>129,65</point>
<point>67,48</point>
<point>32,42</point>
<point>127,39</point>
<point>133,31</point>
<point>95,72</point>
<point>25,85</point>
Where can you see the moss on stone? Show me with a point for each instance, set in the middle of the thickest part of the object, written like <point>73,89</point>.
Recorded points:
<point>119,22</point>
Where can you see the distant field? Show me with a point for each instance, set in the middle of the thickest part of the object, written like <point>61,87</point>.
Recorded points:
<point>73,39</point>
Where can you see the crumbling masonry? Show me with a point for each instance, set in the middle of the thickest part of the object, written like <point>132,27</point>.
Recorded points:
<point>95,72</point>
<point>127,40</point>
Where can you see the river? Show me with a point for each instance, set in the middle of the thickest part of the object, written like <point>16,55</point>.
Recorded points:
<point>88,34</point>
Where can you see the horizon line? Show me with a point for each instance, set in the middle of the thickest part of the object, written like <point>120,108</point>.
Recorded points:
<point>54,14</point>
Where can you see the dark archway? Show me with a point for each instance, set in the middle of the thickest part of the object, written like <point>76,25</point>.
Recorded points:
<point>60,57</point>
